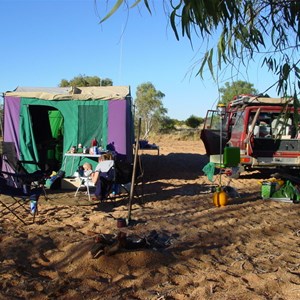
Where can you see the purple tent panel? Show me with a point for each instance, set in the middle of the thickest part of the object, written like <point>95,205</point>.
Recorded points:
<point>117,127</point>
<point>12,124</point>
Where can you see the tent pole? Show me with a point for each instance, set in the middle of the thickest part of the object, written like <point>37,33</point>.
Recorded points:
<point>136,150</point>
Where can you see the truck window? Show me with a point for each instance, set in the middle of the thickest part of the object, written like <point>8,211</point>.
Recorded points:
<point>212,120</point>
<point>239,122</point>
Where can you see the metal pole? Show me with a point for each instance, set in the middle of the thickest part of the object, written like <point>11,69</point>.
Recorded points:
<point>136,150</point>
<point>222,113</point>
<point>2,116</point>
<point>221,139</point>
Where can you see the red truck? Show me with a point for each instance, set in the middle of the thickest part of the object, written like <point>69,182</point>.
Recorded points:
<point>265,129</point>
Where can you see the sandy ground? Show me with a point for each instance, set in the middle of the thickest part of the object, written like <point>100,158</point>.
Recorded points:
<point>246,250</point>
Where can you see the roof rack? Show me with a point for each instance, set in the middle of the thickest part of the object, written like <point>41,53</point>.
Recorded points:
<point>255,100</point>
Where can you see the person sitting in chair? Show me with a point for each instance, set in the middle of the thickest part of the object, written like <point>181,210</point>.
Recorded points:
<point>104,176</point>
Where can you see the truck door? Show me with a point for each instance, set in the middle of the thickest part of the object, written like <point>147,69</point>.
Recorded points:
<point>238,131</point>
<point>215,132</point>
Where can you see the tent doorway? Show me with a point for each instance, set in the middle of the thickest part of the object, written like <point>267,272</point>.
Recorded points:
<point>47,131</point>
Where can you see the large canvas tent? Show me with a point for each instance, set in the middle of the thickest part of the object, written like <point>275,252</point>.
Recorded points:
<point>45,123</point>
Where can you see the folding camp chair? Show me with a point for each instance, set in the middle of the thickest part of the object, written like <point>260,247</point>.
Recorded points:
<point>124,172</point>
<point>18,202</point>
<point>105,180</point>
<point>85,182</point>
<point>17,174</point>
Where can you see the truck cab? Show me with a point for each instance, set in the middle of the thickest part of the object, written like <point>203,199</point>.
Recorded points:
<point>265,129</point>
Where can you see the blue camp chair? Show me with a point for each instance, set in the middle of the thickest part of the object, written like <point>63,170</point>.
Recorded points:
<point>19,189</point>
<point>19,176</point>
<point>22,203</point>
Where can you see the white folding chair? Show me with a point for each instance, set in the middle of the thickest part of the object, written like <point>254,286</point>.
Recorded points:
<point>86,182</point>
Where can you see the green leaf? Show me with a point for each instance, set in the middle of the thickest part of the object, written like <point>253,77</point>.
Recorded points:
<point>200,72</point>
<point>185,21</point>
<point>210,62</point>
<point>221,50</point>
<point>173,25</point>
<point>113,10</point>
<point>286,71</point>
<point>145,2</point>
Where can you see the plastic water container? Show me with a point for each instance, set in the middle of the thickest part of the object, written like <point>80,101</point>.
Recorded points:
<point>33,206</point>
<point>231,156</point>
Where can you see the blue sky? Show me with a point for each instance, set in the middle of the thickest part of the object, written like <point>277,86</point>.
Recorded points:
<point>44,41</point>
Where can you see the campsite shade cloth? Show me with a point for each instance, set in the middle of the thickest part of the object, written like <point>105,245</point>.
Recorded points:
<point>45,123</point>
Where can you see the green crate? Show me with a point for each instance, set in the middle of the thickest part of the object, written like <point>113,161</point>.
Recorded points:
<point>267,189</point>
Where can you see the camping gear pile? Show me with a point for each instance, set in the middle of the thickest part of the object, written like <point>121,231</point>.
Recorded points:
<point>108,244</point>
<point>281,187</point>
